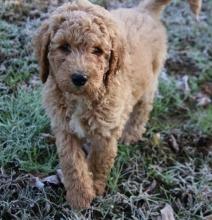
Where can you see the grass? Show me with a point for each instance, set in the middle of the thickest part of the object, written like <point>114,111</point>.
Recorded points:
<point>22,121</point>
<point>202,120</point>
<point>17,63</point>
<point>147,175</point>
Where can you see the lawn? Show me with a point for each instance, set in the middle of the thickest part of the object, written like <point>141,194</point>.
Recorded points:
<point>171,165</point>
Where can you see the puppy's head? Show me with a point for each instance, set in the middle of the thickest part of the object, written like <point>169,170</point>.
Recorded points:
<point>80,46</point>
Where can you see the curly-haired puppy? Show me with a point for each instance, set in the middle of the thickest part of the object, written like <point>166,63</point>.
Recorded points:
<point>100,71</point>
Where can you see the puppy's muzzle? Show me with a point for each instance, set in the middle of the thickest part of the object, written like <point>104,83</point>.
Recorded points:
<point>79,79</point>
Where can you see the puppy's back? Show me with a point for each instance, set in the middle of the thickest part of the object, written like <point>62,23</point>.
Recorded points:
<point>146,46</point>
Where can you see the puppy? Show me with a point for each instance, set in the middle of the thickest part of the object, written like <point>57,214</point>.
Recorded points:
<point>100,71</point>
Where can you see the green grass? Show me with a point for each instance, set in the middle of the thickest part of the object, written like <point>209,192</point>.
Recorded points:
<point>202,120</point>
<point>22,121</point>
<point>17,63</point>
<point>125,153</point>
<point>166,106</point>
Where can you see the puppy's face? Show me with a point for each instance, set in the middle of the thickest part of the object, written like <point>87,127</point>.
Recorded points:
<point>79,54</point>
<point>81,47</point>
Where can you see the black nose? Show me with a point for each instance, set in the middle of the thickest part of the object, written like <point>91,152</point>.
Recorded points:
<point>79,79</point>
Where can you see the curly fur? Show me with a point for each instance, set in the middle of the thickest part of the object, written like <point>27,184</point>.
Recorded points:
<point>115,102</point>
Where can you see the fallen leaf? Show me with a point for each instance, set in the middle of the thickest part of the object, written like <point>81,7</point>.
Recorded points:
<point>51,179</point>
<point>195,6</point>
<point>202,99</point>
<point>182,84</point>
<point>36,182</point>
<point>156,139</point>
<point>167,213</point>
<point>60,175</point>
<point>173,144</point>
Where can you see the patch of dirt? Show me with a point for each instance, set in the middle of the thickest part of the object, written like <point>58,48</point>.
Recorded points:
<point>181,64</point>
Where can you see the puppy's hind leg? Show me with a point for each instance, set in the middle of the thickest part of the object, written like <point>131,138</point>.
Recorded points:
<point>135,126</point>
<point>101,161</point>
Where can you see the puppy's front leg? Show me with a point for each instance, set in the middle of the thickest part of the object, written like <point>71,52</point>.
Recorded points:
<point>101,161</point>
<point>77,178</point>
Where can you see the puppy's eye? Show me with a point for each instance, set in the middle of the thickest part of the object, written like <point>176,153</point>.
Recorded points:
<point>97,51</point>
<point>65,48</point>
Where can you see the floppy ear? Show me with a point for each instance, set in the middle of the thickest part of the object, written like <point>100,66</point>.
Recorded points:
<point>116,61</point>
<point>41,46</point>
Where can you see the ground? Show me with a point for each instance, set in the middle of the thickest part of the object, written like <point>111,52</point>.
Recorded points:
<point>172,164</point>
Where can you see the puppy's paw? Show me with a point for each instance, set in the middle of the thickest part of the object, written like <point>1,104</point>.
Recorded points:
<point>99,187</point>
<point>80,199</point>
<point>129,139</point>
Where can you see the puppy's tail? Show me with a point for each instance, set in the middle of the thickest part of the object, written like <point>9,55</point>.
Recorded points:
<point>155,7</point>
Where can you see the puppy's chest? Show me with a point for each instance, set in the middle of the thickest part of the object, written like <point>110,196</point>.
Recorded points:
<point>85,121</point>
<point>75,123</point>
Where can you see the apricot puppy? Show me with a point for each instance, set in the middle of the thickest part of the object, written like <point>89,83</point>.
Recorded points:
<point>100,71</point>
